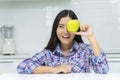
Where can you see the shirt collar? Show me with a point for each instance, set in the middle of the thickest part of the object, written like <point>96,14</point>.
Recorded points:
<point>73,50</point>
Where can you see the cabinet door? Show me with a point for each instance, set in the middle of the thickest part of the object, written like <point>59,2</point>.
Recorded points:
<point>9,66</point>
<point>114,66</point>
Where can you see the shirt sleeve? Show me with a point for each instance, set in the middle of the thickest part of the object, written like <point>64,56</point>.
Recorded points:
<point>29,64</point>
<point>98,63</point>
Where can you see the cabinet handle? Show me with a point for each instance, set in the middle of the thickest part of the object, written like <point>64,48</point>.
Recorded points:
<point>6,61</point>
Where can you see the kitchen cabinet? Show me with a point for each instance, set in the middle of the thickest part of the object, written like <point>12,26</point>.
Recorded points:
<point>8,64</point>
<point>18,0</point>
<point>114,66</point>
<point>114,62</point>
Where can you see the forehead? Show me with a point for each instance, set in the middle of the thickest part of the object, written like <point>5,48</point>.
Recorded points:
<point>64,19</point>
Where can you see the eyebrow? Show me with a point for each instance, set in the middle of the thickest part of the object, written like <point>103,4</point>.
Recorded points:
<point>61,24</point>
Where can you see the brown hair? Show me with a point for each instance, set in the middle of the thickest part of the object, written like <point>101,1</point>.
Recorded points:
<point>54,39</point>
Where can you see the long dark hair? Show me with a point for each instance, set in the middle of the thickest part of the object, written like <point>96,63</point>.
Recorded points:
<point>54,39</point>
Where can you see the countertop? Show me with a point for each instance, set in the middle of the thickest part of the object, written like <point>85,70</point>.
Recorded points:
<point>16,56</point>
<point>71,76</point>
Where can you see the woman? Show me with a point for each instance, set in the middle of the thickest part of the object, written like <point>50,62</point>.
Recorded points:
<point>66,52</point>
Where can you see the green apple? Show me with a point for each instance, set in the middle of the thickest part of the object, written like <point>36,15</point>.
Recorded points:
<point>73,25</point>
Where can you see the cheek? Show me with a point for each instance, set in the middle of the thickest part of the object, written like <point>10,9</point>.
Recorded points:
<point>58,32</point>
<point>72,36</point>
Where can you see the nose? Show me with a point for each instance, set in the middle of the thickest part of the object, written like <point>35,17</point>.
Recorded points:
<point>65,30</point>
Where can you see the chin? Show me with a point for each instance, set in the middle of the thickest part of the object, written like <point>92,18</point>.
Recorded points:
<point>66,42</point>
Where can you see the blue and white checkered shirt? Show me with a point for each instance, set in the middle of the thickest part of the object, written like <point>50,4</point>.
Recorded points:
<point>80,57</point>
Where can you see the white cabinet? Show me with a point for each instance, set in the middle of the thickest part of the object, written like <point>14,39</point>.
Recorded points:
<point>114,62</point>
<point>114,66</point>
<point>8,64</point>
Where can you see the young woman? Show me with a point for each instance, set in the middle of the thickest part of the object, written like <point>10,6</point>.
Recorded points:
<point>66,52</point>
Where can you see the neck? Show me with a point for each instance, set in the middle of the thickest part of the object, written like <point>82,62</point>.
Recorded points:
<point>65,47</point>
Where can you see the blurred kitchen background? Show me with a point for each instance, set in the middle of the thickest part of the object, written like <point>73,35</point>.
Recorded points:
<point>32,20</point>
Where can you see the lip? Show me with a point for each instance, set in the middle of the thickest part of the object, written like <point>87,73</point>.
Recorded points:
<point>65,36</point>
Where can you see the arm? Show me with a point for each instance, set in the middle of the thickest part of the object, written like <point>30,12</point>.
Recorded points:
<point>86,31</point>
<point>43,69</point>
<point>52,69</point>
<point>29,64</point>
<point>97,57</point>
<point>95,46</point>
<point>36,65</point>
<point>99,63</point>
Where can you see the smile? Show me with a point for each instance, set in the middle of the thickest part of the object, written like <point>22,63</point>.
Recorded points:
<point>66,36</point>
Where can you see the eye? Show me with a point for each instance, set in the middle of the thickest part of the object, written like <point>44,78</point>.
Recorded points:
<point>61,26</point>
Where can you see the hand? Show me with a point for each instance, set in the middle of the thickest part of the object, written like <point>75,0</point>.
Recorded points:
<point>85,30</point>
<point>62,69</point>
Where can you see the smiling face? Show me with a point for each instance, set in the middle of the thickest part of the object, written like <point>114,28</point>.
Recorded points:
<point>63,35</point>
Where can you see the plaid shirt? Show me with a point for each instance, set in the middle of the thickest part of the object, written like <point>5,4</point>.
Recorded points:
<point>80,57</point>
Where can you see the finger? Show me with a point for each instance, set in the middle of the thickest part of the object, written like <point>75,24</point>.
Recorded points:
<point>83,28</point>
<point>86,27</point>
<point>67,72</point>
<point>61,73</point>
<point>79,33</point>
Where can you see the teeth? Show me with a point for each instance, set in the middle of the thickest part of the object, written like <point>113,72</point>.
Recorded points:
<point>66,36</point>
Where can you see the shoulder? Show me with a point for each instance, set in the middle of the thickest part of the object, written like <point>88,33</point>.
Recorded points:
<point>43,52</point>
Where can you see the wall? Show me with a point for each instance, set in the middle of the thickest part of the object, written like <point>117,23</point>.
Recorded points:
<point>33,21</point>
